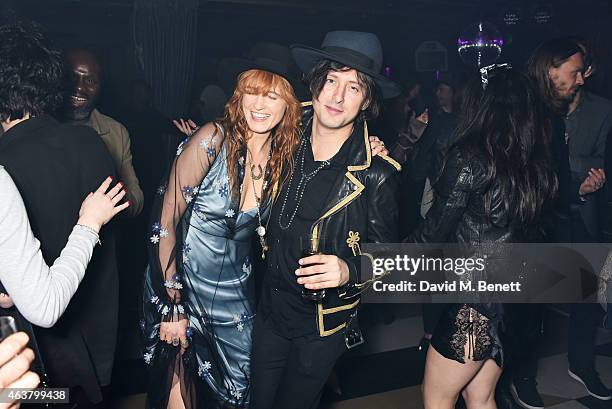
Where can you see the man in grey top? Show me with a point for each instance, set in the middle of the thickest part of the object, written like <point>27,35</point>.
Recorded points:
<point>85,71</point>
<point>588,124</point>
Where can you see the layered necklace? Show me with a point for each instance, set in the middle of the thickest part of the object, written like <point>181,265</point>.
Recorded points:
<point>305,178</point>
<point>257,173</point>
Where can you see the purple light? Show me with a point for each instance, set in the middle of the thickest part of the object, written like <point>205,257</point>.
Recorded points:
<point>388,72</point>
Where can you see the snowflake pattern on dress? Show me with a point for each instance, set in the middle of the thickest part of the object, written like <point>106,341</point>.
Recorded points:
<point>199,211</point>
<point>204,368</point>
<point>246,266</point>
<point>186,250</point>
<point>188,193</point>
<point>224,190</point>
<point>163,233</point>
<point>154,239</point>
<point>239,321</point>
<point>148,356</point>
<point>161,189</point>
<point>235,393</point>
<point>230,213</point>
<point>179,150</point>
<point>208,146</point>
<point>220,181</point>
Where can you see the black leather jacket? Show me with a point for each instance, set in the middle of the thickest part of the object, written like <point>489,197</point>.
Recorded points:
<point>364,210</point>
<point>458,212</point>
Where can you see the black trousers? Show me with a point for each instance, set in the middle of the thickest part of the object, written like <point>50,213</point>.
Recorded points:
<point>523,333</point>
<point>584,318</point>
<point>583,322</point>
<point>290,372</point>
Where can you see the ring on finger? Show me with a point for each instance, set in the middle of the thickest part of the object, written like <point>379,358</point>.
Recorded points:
<point>175,342</point>
<point>184,343</point>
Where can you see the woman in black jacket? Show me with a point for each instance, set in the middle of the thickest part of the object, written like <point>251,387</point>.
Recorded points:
<point>496,180</point>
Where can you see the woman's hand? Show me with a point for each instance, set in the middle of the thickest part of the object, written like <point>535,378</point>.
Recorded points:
<point>187,127</point>
<point>593,182</point>
<point>323,271</point>
<point>174,332</point>
<point>101,206</point>
<point>15,361</point>
<point>377,146</point>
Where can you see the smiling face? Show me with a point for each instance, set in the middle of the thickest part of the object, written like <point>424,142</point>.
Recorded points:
<point>340,101</point>
<point>263,111</point>
<point>85,85</point>
<point>261,97</point>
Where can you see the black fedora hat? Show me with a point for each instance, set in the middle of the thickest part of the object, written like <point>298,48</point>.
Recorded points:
<point>358,50</point>
<point>264,56</point>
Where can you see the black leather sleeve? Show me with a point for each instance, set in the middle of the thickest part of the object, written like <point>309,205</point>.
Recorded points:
<point>453,190</point>
<point>383,216</point>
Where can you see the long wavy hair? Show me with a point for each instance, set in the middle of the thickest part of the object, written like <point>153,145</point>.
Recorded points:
<point>552,53</point>
<point>504,123</point>
<point>286,135</point>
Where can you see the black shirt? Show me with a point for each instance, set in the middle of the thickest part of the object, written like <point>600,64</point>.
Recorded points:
<point>282,299</point>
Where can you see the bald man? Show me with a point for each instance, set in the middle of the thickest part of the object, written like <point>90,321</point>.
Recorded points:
<point>81,109</point>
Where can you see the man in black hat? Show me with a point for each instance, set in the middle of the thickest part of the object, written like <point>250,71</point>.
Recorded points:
<point>336,197</point>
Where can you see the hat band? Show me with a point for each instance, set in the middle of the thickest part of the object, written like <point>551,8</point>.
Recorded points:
<point>355,57</point>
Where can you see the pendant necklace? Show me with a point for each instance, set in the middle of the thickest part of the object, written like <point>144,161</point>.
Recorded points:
<point>261,230</point>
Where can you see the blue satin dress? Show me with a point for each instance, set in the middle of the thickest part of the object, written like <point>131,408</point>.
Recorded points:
<point>218,292</point>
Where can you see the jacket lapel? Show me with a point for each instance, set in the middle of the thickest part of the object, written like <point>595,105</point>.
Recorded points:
<point>348,186</point>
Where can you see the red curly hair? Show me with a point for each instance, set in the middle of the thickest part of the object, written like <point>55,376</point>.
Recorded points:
<point>286,133</point>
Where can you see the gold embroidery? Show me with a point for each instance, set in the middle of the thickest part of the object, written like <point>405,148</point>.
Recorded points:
<point>353,242</point>
<point>323,312</point>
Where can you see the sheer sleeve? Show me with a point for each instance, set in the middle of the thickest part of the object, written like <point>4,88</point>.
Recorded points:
<point>194,158</point>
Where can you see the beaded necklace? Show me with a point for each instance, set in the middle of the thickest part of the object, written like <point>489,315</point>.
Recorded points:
<point>305,178</point>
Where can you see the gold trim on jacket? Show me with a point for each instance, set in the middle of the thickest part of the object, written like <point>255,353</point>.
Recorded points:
<point>358,188</point>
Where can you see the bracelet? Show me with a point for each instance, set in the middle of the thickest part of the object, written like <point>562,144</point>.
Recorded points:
<point>91,230</point>
<point>164,308</point>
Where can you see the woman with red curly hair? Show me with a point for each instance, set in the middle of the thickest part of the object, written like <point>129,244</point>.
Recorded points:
<point>199,293</point>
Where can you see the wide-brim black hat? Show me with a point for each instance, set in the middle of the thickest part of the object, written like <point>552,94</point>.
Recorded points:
<point>271,57</point>
<point>358,50</point>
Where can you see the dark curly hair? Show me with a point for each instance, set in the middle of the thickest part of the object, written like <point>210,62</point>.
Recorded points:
<point>318,74</point>
<point>31,72</point>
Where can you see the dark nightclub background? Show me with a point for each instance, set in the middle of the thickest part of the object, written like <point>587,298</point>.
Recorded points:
<point>175,46</point>
<point>227,28</point>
